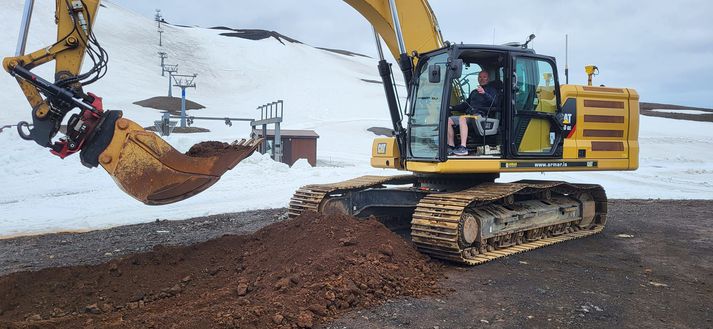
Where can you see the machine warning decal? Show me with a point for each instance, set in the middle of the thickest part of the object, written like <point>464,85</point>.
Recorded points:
<point>559,164</point>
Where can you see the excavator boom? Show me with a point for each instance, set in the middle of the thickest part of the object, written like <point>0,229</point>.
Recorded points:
<point>419,27</point>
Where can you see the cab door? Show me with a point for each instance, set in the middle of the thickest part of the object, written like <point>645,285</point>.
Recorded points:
<point>535,131</point>
<point>424,126</point>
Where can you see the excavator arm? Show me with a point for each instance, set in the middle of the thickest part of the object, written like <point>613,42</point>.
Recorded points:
<point>140,162</point>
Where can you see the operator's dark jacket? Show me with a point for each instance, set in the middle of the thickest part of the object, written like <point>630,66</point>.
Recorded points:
<point>479,103</point>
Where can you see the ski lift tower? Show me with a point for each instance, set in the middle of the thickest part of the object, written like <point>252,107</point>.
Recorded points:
<point>184,81</point>
<point>160,42</point>
<point>158,17</point>
<point>163,57</point>
<point>170,69</point>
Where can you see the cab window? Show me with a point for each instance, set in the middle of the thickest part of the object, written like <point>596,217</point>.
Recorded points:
<point>428,98</point>
<point>535,86</point>
<point>469,79</point>
<point>535,103</point>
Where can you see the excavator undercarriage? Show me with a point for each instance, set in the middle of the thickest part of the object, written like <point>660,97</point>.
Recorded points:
<point>472,225</point>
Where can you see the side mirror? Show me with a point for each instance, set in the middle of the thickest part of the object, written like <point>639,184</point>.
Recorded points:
<point>434,73</point>
<point>457,67</point>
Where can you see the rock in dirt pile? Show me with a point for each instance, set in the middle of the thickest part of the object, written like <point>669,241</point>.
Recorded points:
<point>291,274</point>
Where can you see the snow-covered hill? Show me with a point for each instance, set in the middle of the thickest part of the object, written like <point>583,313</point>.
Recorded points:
<point>322,90</point>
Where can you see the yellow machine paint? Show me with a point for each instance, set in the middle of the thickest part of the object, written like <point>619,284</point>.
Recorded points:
<point>606,133</point>
<point>67,52</point>
<point>418,23</point>
<point>536,135</point>
<point>385,153</point>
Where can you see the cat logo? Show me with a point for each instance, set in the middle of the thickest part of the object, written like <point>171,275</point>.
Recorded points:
<point>511,165</point>
<point>381,148</point>
<point>567,119</point>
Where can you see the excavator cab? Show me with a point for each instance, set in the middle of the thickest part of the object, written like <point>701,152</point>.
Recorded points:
<point>523,121</point>
<point>483,127</point>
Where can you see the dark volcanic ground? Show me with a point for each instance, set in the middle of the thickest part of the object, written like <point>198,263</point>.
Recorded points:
<point>652,267</point>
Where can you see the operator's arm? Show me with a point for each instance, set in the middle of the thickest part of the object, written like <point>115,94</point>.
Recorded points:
<point>462,107</point>
<point>467,105</point>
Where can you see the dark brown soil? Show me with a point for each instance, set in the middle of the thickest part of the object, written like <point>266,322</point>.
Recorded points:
<point>290,274</point>
<point>170,104</point>
<point>647,109</point>
<point>211,148</point>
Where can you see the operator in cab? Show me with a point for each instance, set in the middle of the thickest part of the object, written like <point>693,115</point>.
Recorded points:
<point>481,101</point>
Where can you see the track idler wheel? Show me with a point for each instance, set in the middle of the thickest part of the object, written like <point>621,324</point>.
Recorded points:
<point>588,210</point>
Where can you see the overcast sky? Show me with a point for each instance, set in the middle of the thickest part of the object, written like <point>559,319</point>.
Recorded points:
<point>663,49</point>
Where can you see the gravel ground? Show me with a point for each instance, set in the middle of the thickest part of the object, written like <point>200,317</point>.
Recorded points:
<point>65,249</point>
<point>652,267</point>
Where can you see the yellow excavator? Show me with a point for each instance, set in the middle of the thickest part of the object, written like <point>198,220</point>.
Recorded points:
<point>450,205</point>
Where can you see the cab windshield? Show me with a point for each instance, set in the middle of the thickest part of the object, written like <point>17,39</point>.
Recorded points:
<point>427,104</point>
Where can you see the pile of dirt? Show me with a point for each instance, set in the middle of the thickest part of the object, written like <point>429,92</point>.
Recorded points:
<point>290,274</point>
<point>170,104</point>
<point>213,148</point>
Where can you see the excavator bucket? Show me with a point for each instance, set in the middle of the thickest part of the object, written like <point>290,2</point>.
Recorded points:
<point>153,172</point>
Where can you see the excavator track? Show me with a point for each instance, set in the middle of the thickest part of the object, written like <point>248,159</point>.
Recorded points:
<point>309,197</point>
<point>438,221</point>
<point>441,220</point>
